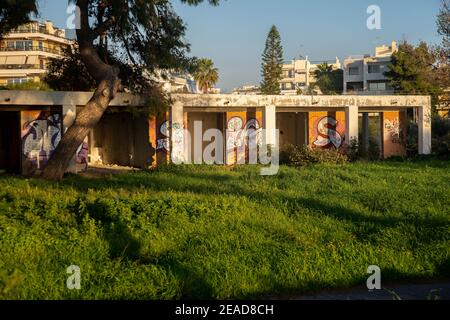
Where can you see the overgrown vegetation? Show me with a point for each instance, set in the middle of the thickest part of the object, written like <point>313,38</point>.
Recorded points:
<point>300,156</point>
<point>29,85</point>
<point>441,137</point>
<point>272,63</point>
<point>216,232</point>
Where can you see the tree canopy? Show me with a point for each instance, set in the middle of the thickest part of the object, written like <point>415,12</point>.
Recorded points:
<point>272,63</point>
<point>412,70</point>
<point>14,13</point>
<point>329,80</point>
<point>205,74</point>
<point>141,36</point>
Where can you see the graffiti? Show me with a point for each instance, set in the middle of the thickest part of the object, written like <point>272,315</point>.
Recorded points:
<point>163,143</point>
<point>82,155</point>
<point>328,135</point>
<point>178,143</point>
<point>40,138</point>
<point>240,136</point>
<point>394,130</point>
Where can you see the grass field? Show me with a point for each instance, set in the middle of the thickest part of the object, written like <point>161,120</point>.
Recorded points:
<point>214,232</point>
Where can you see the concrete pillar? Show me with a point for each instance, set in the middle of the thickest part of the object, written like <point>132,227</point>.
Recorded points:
<point>365,131</point>
<point>351,123</point>
<point>269,124</point>
<point>177,148</point>
<point>69,113</point>
<point>424,122</point>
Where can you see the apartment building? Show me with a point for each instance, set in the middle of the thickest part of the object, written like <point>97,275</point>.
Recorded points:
<point>365,73</point>
<point>25,52</point>
<point>247,90</point>
<point>299,74</point>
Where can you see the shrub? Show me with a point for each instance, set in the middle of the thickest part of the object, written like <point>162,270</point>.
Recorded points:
<point>412,140</point>
<point>305,155</point>
<point>441,137</point>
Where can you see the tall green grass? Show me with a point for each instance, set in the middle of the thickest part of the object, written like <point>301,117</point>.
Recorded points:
<point>214,232</point>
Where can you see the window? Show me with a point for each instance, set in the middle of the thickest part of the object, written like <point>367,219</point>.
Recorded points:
<point>28,45</point>
<point>353,71</point>
<point>19,45</point>
<point>41,45</point>
<point>18,80</point>
<point>377,86</point>
<point>374,68</point>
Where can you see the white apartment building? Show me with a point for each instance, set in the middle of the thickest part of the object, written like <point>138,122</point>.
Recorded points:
<point>248,90</point>
<point>366,73</point>
<point>299,74</point>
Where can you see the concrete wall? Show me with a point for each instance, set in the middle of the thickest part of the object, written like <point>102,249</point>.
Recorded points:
<point>41,132</point>
<point>122,140</point>
<point>327,129</point>
<point>394,126</point>
<point>293,128</point>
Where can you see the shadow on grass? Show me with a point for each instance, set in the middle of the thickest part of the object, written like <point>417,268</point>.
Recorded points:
<point>196,283</point>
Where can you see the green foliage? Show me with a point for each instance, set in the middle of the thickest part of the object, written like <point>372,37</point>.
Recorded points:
<point>354,150</point>
<point>29,85</point>
<point>69,73</point>
<point>14,13</point>
<point>303,156</point>
<point>218,232</point>
<point>328,80</point>
<point>441,137</point>
<point>205,74</point>
<point>412,139</point>
<point>412,71</point>
<point>272,63</point>
<point>443,23</point>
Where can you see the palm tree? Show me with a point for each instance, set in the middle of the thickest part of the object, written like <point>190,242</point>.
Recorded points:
<point>328,80</point>
<point>205,75</point>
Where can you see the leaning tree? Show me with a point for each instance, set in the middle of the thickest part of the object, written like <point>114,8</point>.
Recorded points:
<point>116,39</point>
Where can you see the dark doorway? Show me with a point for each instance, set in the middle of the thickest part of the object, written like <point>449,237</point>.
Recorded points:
<point>10,141</point>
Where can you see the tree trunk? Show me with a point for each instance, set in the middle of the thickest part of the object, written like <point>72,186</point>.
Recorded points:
<point>85,121</point>
<point>107,77</point>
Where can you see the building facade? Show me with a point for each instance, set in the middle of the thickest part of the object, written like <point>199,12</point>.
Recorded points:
<point>33,122</point>
<point>247,89</point>
<point>25,52</point>
<point>365,73</point>
<point>299,74</point>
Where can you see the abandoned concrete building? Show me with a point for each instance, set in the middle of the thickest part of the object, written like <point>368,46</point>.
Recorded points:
<point>32,124</point>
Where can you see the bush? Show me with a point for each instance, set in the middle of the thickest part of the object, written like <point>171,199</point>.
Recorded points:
<point>305,155</point>
<point>441,137</point>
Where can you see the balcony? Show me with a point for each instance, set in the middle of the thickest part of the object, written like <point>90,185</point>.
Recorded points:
<point>19,66</point>
<point>29,48</point>
<point>40,30</point>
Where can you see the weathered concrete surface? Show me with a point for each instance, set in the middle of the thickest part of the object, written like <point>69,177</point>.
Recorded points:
<point>45,98</point>
<point>236,101</point>
<point>59,98</point>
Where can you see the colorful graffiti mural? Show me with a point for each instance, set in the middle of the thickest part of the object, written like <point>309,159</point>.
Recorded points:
<point>83,155</point>
<point>242,138</point>
<point>163,143</point>
<point>328,136</point>
<point>326,129</point>
<point>394,133</point>
<point>394,130</point>
<point>40,136</point>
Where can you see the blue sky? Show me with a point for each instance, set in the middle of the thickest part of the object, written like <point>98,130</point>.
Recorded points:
<point>233,34</point>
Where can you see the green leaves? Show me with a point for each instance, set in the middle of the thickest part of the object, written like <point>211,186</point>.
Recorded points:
<point>272,63</point>
<point>13,13</point>
<point>205,74</point>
